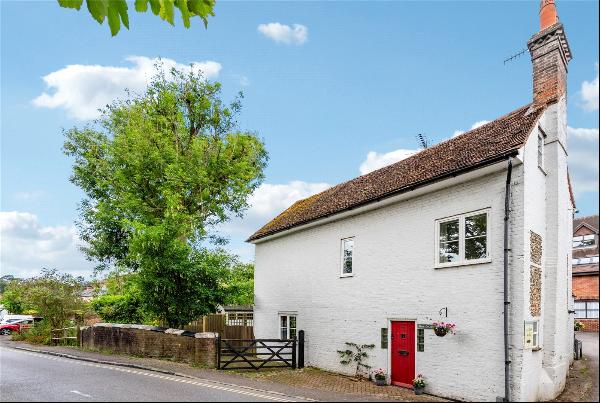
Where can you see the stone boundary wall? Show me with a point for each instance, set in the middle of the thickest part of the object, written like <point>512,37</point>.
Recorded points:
<point>153,342</point>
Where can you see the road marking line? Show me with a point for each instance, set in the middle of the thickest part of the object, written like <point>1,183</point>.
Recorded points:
<point>216,386</point>
<point>80,394</point>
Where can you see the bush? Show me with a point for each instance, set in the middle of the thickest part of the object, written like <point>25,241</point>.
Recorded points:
<point>119,308</point>
<point>40,333</point>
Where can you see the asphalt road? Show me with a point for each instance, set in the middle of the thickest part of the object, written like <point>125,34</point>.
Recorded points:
<point>26,376</point>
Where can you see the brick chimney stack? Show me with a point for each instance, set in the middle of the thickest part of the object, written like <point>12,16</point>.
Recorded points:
<point>550,55</point>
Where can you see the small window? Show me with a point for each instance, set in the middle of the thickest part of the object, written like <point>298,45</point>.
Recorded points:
<point>586,309</point>
<point>420,340</point>
<point>532,335</point>
<point>584,241</point>
<point>540,150</point>
<point>463,239</point>
<point>347,257</point>
<point>288,327</point>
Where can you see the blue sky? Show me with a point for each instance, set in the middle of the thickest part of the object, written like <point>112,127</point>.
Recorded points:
<point>344,91</point>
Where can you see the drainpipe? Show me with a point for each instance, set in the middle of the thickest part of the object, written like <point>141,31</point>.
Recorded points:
<point>506,290</point>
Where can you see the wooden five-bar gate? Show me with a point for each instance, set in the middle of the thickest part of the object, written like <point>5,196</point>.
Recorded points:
<point>260,353</point>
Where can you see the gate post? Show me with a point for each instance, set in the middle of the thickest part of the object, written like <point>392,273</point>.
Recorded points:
<point>301,349</point>
<point>218,350</point>
<point>294,343</point>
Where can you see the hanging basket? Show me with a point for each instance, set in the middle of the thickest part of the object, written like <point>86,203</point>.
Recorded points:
<point>440,331</point>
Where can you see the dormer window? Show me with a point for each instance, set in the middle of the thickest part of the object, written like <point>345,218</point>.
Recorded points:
<point>584,241</point>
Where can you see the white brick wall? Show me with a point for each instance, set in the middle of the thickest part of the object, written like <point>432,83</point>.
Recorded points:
<point>395,278</point>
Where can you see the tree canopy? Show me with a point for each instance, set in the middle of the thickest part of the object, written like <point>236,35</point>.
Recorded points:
<point>117,11</point>
<point>159,171</point>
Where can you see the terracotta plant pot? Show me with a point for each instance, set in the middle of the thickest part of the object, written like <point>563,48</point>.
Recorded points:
<point>380,382</point>
<point>419,391</point>
<point>440,331</point>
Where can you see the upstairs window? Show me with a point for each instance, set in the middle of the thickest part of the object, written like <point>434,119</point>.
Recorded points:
<point>584,241</point>
<point>462,239</point>
<point>586,260</point>
<point>540,150</point>
<point>347,257</point>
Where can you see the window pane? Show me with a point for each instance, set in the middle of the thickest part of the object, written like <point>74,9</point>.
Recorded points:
<point>292,322</point>
<point>476,225</point>
<point>449,252</point>
<point>476,248</point>
<point>580,313</point>
<point>348,245</point>
<point>283,333</point>
<point>449,231</point>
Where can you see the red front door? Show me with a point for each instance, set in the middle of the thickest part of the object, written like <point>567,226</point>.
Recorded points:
<point>403,353</point>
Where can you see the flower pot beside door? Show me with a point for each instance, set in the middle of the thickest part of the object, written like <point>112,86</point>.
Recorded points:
<point>380,377</point>
<point>419,384</point>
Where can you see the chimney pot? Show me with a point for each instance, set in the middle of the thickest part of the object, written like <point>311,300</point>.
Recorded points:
<point>548,14</point>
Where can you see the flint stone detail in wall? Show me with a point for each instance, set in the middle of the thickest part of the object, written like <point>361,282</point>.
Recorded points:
<point>535,241</point>
<point>535,291</point>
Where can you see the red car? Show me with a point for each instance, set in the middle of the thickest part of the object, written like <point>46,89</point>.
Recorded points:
<point>17,325</point>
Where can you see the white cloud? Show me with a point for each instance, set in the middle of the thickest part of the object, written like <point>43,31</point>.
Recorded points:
<point>27,246</point>
<point>583,159</point>
<point>473,126</point>
<point>297,34</point>
<point>267,202</point>
<point>375,160</point>
<point>82,89</point>
<point>589,93</point>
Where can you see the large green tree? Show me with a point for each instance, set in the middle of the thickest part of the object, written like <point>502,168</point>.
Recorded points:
<point>117,11</point>
<point>159,171</point>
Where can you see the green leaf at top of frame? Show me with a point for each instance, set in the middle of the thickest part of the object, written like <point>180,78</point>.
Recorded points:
<point>76,4</point>
<point>167,11</point>
<point>182,5</point>
<point>98,9</point>
<point>141,6</point>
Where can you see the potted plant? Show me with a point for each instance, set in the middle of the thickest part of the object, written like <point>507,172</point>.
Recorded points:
<point>579,326</point>
<point>380,377</point>
<point>442,328</point>
<point>419,384</point>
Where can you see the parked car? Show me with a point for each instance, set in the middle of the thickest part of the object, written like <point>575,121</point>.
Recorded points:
<point>17,325</point>
<point>14,318</point>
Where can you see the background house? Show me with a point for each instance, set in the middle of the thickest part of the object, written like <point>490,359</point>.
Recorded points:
<point>585,271</point>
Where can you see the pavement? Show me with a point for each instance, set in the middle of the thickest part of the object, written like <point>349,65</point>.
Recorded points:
<point>35,373</point>
<point>590,351</point>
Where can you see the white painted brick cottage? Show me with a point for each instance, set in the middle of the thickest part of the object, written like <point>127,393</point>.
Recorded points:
<point>379,258</point>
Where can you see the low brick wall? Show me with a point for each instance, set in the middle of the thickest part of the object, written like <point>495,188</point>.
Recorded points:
<point>591,325</point>
<point>151,341</point>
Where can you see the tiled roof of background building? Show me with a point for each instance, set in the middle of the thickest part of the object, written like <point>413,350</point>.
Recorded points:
<point>476,148</point>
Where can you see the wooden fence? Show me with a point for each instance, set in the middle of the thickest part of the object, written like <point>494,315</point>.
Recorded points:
<point>66,336</point>
<point>227,327</point>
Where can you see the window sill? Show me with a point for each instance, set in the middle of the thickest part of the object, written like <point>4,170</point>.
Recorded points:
<point>346,275</point>
<point>536,349</point>
<point>461,264</point>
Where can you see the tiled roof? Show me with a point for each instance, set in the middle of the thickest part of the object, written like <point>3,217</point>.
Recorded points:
<point>591,221</point>
<point>481,146</point>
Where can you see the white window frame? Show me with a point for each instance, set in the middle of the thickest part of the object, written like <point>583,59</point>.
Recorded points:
<point>540,150</point>
<point>342,273</point>
<point>461,240</point>
<point>536,345</point>
<point>585,309</point>
<point>288,327</point>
